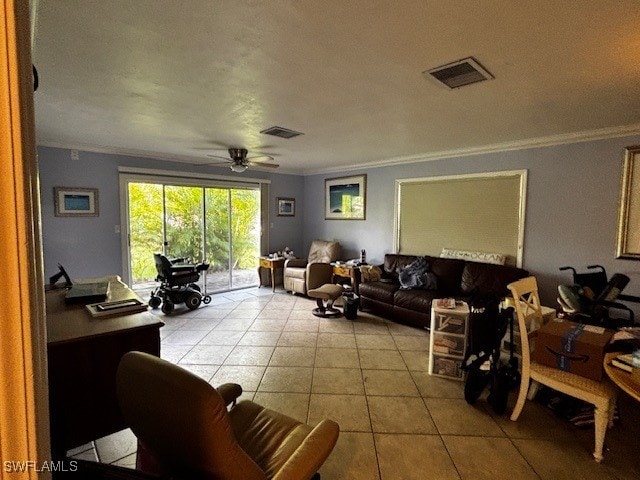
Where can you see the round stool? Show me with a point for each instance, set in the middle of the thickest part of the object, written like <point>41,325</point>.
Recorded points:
<point>329,293</point>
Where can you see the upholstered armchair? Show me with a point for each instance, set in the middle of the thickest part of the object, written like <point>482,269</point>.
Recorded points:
<point>302,275</point>
<point>189,430</point>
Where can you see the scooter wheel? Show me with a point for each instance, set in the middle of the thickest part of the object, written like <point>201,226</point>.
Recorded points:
<point>167,307</point>
<point>193,301</point>
<point>154,302</point>
<point>195,286</point>
<point>206,299</point>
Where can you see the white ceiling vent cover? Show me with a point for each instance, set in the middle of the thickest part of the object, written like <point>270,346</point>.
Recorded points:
<point>458,74</point>
<point>281,132</point>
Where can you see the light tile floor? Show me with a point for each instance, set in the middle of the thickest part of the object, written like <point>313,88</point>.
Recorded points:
<point>370,375</point>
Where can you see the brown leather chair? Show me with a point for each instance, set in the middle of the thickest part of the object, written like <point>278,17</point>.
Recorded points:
<point>302,275</point>
<point>183,422</point>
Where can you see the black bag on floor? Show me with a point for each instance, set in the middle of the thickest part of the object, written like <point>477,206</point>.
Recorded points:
<point>487,327</point>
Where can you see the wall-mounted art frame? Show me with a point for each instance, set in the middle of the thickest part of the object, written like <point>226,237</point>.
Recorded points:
<point>345,198</point>
<point>76,202</point>
<point>286,207</point>
<point>628,244</point>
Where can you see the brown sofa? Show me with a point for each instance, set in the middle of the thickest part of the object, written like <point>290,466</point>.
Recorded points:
<point>456,278</point>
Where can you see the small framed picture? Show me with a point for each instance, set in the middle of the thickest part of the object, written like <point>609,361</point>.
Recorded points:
<point>76,202</point>
<point>286,207</point>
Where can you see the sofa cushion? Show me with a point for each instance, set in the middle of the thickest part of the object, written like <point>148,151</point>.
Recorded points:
<point>448,272</point>
<point>380,291</point>
<point>486,278</point>
<point>417,300</point>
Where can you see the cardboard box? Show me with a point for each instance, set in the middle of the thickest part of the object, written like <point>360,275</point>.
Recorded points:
<point>573,347</point>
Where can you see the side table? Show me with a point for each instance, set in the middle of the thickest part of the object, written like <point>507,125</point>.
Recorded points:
<point>347,271</point>
<point>273,265</point>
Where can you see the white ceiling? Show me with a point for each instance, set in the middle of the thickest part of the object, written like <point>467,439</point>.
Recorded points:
<point>180,79</point>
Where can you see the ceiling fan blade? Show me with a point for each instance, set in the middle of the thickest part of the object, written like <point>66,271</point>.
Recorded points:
<point>260,158</point>
<point>225,158</point>
<point>263,164</point>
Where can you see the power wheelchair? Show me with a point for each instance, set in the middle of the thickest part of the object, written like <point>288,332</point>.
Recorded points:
<point>177,284</point>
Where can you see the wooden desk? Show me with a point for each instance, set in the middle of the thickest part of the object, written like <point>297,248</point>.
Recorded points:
<point>621,378</point>
<point>83,354</point>
<point>273,265</point>
<point>345,271</point>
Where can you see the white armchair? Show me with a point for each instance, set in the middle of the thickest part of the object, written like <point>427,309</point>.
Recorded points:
<point>301,275</point>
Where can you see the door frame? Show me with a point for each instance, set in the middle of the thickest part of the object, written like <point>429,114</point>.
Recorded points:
<point>129,174</point>
<point>24,409</point>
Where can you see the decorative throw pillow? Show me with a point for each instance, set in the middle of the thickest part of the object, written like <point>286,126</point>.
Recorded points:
<point>482,257</point>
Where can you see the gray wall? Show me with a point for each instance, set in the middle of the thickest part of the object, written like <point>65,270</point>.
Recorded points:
<point>89,246</point>
<point>571,216</point>
<point>572,205</point>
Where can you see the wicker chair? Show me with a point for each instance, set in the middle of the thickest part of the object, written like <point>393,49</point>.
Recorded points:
<point>601,394</point>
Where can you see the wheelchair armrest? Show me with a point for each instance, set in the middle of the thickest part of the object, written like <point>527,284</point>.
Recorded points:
<point>178,260</point>
<point>182,268</point>
<point>618,306</point>
<point>629,298</point>
<point>201,267</point>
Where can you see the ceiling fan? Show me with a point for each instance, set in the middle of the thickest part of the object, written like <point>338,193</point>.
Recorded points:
<point>239,161</point>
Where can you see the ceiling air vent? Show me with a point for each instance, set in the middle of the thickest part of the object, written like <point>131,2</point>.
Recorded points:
<point>460,73</point>
<point>281,132</point>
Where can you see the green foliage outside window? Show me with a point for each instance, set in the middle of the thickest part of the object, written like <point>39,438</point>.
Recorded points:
<point>185,225</point>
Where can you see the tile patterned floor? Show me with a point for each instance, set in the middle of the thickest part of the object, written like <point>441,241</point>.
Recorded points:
<point>370,375</point>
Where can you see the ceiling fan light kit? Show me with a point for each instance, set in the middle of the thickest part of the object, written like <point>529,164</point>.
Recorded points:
<point>238,167</point>
<point>239,162</point>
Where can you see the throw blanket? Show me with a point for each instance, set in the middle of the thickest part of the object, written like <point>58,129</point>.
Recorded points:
<point>416,275</point>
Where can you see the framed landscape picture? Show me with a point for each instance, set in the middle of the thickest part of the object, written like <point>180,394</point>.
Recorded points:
<point>345,198</point>
<point>628,245</point>
<point>76,202</point>
<point>286,207</point>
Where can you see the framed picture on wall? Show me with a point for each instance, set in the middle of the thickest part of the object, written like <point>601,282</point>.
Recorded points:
<point>76,202</point>
<point>286,207</point>
<point>628,244</point>
<point>345,198</point>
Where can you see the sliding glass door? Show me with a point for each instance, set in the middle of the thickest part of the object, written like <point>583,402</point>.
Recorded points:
<point>215,224</point>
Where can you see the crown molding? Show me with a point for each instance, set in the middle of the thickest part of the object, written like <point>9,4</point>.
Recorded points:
<point>165,157</point>
<point>539,142</point>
